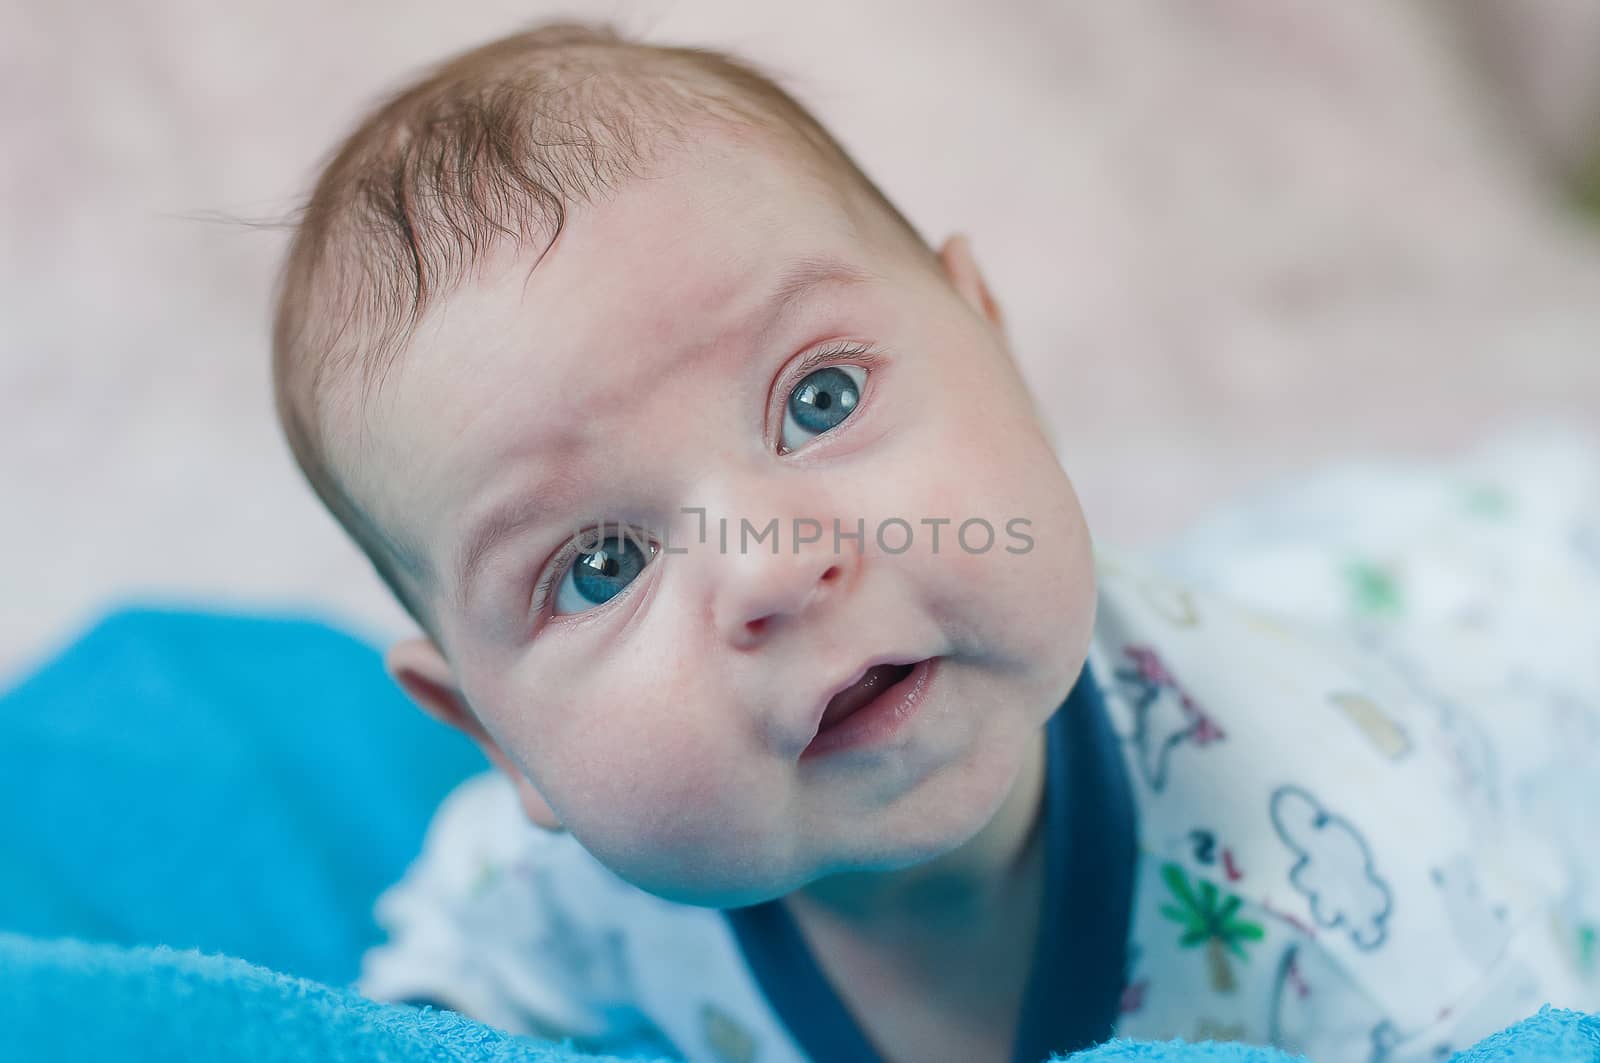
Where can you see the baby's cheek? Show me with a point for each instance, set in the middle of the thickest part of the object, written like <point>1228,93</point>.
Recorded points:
<point>682,813</point>
<point>1020,585</point>
<point>692,782</point>
<point>671,756</point>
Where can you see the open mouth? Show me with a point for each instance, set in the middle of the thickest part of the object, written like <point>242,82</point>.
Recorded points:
<point>873,709</point>
<point>854,698</point>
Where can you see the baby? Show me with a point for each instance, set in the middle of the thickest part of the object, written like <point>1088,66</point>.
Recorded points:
<point>739,548</point>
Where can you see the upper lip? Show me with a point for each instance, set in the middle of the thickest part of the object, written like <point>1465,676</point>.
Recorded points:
<point>852,679</point>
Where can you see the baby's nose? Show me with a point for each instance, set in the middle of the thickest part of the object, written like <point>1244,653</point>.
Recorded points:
<point>760,592</point>
<point>775,547</point>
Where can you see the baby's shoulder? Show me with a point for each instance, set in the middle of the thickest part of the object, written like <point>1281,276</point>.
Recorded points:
<point>525,929</point>
<point>1230,706</point>
<point>500,919</point>
<point>523,885</point>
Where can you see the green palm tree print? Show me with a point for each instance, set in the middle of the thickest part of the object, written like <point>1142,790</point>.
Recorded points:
<point>1209,918</point>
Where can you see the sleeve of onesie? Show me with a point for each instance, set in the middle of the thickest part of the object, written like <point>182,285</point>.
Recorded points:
<point>470,930</point>
<point>1438,920</point>
<point>1342,1022</point>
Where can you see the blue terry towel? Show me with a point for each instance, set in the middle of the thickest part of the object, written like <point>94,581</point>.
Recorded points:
<point>69,1001</point>
<point>242,784</point>
<point>1550,1036</point>
<point>72,1001</point>
<point>1121,1051</point>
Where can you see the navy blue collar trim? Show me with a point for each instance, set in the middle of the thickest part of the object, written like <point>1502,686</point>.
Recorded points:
<point>1075,982</point>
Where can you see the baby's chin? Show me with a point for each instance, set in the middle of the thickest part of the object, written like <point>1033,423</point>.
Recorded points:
<point>715,871</point>
<point>730,891</point>
<point>739,876</point>
<point>685,881</point>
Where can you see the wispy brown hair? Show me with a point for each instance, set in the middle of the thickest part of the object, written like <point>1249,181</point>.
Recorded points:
<point>495,143</point>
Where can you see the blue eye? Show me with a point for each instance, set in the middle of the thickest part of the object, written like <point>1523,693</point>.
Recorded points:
<point>820,402</point>
<point>598,575</point>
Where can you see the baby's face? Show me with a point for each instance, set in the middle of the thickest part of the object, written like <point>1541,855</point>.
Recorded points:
<point>653,371</point>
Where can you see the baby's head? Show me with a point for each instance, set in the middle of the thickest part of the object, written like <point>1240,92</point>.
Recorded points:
<point>570,279</point>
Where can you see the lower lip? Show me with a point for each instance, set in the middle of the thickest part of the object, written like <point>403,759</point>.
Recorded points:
<point>882,719</point>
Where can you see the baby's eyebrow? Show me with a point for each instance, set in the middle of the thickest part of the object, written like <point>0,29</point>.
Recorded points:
<point>800,279</point>
<point>516,512</point>
<point>804,276</point>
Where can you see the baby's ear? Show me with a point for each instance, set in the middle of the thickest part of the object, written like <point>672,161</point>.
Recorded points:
<point>962,269</point>
<point>423,673</point>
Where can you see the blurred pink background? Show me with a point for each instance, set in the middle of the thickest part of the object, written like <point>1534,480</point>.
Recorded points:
<point>1232,239</point>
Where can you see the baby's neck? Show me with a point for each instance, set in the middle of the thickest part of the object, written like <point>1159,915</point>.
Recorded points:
<point>962,894</point>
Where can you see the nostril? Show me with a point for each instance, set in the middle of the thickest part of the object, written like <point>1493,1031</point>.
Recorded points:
<point>831,575</point>
<point>756,627</point>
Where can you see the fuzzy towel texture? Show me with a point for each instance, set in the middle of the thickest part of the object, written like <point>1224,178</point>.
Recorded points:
<point>1550,1036</point>
<point>68,1000</point>
<point>233,783</point>
<point>183,791</point>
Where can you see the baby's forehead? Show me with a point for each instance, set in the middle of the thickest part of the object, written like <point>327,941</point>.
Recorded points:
<point>686,273</point>
<point>673,260</point>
